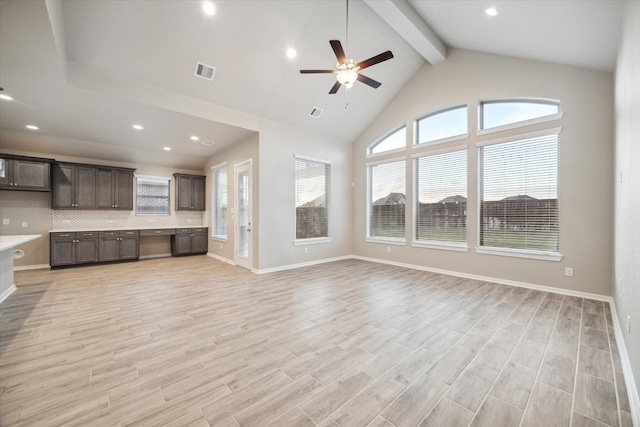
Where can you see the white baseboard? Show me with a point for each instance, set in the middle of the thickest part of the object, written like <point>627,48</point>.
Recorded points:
<point>562,291</point>
<point>6,293</point>
<point>30,267</point>
<point>632,391</point>
<point>220,258</point>
<point>302,264</point>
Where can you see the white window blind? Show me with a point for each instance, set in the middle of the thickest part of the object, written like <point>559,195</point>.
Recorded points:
<point>395,140</point>
<point>387,199</point>
<point>441,191</point>
<point>442,124</point>
<point>312,188</point>
<point>152,196</point>
<point>519,194</point>
<point>219,198</point>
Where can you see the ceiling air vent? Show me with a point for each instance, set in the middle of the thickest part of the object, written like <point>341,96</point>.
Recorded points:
<point>207,143</point>
<point>205,71</point>
<point>315,113</point>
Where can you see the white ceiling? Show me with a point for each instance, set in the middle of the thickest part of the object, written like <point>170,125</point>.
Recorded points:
<point>85,71</point>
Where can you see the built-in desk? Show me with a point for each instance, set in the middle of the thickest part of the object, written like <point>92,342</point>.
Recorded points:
<point>75,247</point>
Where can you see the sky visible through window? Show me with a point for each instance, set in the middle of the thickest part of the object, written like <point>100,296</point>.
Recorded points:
<point>442,125</point>
<point>502,113</point>
<point>397,139</point>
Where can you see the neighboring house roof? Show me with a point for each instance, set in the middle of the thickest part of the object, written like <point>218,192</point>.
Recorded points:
<point>391,199</point>
<point>519,198</point>
<point>454,199</point>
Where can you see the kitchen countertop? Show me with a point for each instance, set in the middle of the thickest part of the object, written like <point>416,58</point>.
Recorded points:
<point>8,242</point>
<point>79,230</point>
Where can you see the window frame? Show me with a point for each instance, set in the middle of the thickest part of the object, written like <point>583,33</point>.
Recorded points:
<point>313,240</point>
<point>438,244</point>
<point>148,177</point>
<point>399,241</point>
<point>214,199</point>
<point>416,127</point>
<point>378,141</point>
<point>515,125</point>
<point>516,252</point>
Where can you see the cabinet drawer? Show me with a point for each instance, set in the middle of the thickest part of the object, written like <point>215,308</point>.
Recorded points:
<point>63,235</point>
<point>191,230</point>
<point>109,233</point>
<point>159,232</point>
<point>81,234</point>
<point>129,233</point>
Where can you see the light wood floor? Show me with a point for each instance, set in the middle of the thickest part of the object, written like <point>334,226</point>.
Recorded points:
<point>195,342</point>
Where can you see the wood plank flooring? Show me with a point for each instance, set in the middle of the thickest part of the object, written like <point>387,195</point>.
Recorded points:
<point>195,342</point>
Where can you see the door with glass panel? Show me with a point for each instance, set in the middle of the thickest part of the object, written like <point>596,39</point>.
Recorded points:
<point>243,239</point>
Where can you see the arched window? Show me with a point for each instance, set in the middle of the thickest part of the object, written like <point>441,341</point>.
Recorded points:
<point>507,111</point>
<point>393,141</point>
<point>442,124</point>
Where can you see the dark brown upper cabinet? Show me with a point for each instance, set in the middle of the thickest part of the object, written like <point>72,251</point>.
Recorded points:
<point>25,173</point>
<point>190,192</point>
<point>114,189</point>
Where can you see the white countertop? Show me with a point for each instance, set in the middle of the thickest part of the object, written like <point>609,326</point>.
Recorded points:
<point>8,242</point>
<point>162,227</point>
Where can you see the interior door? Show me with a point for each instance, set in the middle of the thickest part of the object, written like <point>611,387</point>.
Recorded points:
<point>243,246</point>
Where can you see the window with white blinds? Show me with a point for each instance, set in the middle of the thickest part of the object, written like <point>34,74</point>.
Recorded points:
<point>441,191</point>
<point>393,141</point>
<point>219,200</point>
<point>442,124</point>
<point>519,194</point>
<point>386,200</point>
<point>312,186</point>
<point>152,196</point>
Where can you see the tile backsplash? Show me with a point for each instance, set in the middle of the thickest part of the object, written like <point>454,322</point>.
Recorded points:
<point>105,220</point>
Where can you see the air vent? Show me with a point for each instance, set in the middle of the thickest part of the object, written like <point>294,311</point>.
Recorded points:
<point>205,71</point>
<point>207,143</point>
<point>315,113</point>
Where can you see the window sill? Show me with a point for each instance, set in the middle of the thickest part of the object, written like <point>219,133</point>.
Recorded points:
<point>519,253</point>
<point>441,245</point>
<point>537,120</point>
<point>219,238</point>
<point>312,241</point>
<point>386,241</point>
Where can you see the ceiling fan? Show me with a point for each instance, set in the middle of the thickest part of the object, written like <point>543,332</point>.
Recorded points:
<point>347,70</point>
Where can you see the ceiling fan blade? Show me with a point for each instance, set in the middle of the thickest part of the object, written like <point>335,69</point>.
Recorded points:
<point>384,56</point>
<point>335,88</point>
<point>369,82</point>
<point>337,49</point>
<point>315,71</point>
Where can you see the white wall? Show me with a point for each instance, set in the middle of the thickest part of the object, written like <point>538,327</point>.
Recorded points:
<point>585,173</point>
<point>278,145</point>
<point>627,192</point>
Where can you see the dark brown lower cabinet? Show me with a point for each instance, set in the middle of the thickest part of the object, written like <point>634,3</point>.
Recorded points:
<point>74,248</point>
<point>119,245</point>
<point>189,241</point>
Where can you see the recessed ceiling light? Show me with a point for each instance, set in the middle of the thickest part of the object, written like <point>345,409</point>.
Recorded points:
<point>208,8</point>
<point>6,97</point>
<point>194,138</point>
<point>291,53</point>
<point>32,127</point>
<point>491,11</point>
<point>166,148</point>
<point>138,127</point>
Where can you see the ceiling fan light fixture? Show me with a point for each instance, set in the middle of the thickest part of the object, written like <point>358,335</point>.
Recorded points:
<point>347,73</point>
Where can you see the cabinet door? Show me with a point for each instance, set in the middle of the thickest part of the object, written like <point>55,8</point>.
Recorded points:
<point>5,173</point>
<point>104,189</point>
<point>30,175</point>
<point>86,250</point>
<point>63,252</point>
<point>183,193</point>
<point>85,187</point>
<point>182,244</point>
<point>200,243</point>
<point>63,189</point>
<point>109,249</point>
<point>123,189</point>
<point>129,247</point>
<point>198,193</point>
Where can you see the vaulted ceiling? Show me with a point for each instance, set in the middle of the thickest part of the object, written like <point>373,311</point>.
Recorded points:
<point>84,72</point>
